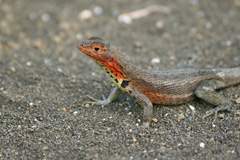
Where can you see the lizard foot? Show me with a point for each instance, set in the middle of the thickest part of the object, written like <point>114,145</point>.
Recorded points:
<point>94,101</point>
<point>215,110</point>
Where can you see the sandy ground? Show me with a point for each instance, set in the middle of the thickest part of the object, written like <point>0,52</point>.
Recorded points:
<point>44,80</point>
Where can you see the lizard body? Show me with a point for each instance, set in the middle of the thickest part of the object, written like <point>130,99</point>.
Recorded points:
<point>168,87</point>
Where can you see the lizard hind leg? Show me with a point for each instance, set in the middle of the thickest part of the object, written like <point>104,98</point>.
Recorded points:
<point>207,92</point>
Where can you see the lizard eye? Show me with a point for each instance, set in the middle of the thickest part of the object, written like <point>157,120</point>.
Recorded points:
<point>96,48</point>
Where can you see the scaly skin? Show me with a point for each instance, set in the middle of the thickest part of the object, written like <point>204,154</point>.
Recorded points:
<point>168,87</point>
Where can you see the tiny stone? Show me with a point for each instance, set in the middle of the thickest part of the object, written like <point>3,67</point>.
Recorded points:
<point>75,113</point>
<point>155,120</point>
<point>192,108</point>
<point>87,105</point>
<point>125,19</point>
<point>45,147</point>
<point>221,115</point>
<point>208,25</point>
<point>134,139</point>
<point>13,69</point>
<point>238,100</point>
<point>180,117</point>
<point>228,43</point>
<point>31,104</point>
<point>38,43</point>
<point>137,44</point>
<point>59,70</point>
<point>29,63</point>
<point>45,17</point>
<point>159,24</point>
<point>79,36</point>
<point>202,145</point>
<point>195,2</point>
<point>34,126</point>
<point>85,14</point>
<point>155,60</point>
<point>98,10</point>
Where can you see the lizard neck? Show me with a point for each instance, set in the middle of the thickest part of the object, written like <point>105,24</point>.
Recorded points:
<point>114,68</point>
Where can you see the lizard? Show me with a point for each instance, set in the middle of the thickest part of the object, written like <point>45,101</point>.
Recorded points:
<point>164,87</point>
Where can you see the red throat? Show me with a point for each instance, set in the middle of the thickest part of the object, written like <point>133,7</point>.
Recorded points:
<point>115,68</point>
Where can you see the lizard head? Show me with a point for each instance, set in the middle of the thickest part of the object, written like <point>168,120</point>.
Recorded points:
<point>99,50</point>
<point>96,48</point>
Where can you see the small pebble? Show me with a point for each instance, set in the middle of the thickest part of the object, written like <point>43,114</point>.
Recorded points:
<point>180,117</point>
<point>137,44</point>
<point>125,19</point>
<point>208,25</point>
<point>129,113</point>
<point>97,10</point>
<point>238,100</point>
<point>228,43</point>
<point>85,14</point>
<point>192,108</point>
<point>29,63</point>
<point>75,113</point>
<point>45,17</point>
<point>155,120</point>
<point>134,139</point>
<point>155,60</point>
<point>79,36</point>
<point>221,115</point>
<point>159,24</point>
<point>38,43</point>
<point>13,69</point>
<point>202,145</point>
<point>194,2</point>
<point>59,70</point>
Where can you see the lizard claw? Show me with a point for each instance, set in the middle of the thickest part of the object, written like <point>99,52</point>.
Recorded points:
<point>95,101</point>
<point>216,110</point>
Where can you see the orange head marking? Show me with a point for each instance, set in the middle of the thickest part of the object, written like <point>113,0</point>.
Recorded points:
<point>99,50</point>
<point>95,48</point>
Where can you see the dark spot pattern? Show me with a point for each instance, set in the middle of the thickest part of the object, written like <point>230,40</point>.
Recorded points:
<point>124,83</point>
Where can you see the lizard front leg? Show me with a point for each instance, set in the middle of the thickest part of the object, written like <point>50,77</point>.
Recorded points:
<point>147,106</point>
<point>207,91</point>
<point>114,94</point>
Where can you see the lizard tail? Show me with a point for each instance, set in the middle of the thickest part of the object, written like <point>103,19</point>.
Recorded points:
<point>231,76</point>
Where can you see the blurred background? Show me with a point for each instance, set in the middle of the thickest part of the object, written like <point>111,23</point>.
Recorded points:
<point>44,79</point>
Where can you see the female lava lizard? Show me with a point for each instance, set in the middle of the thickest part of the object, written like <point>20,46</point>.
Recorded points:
<point>168,87</point>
